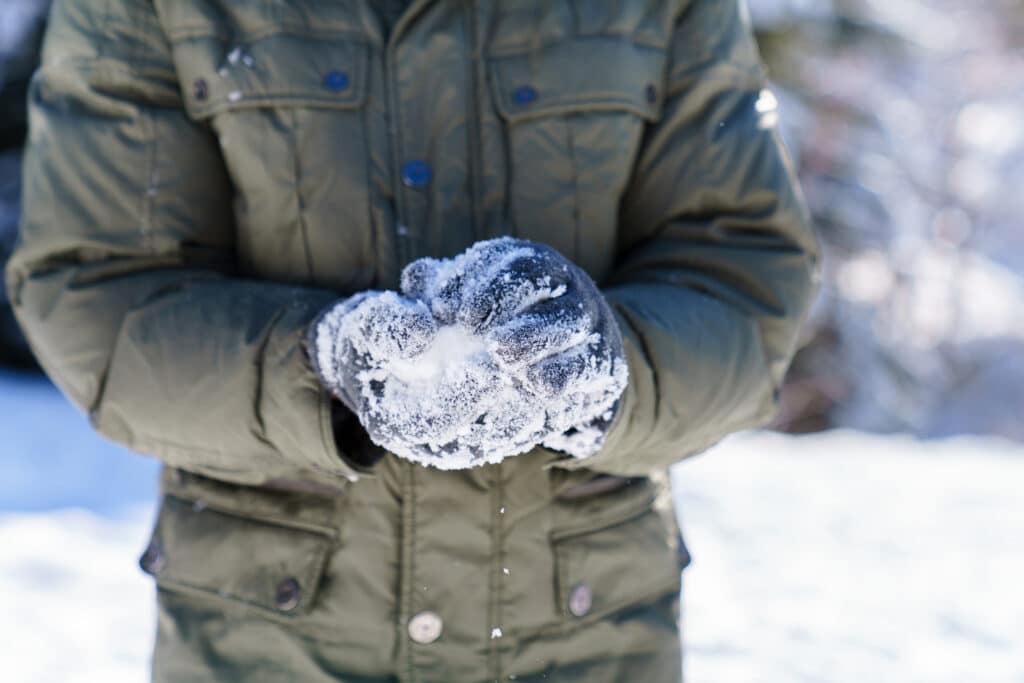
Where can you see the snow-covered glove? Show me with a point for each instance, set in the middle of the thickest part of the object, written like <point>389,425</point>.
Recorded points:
<point>480,357</point>
<point>547,327</point>
<point>368,350</point>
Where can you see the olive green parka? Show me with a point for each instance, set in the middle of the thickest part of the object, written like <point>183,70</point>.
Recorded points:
<point>204,176</point>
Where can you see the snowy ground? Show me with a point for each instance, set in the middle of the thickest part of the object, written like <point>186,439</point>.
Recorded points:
<point>834,558</point>
<point>848,557</point>
<point>76,608</point>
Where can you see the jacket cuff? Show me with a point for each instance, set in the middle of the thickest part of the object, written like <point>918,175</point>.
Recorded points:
<point>294,407</point>
<point>610,458</point>
<point>614,455</point>
<point>353,443</point>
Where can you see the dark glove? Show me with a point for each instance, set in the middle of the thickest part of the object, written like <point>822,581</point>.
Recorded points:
<point>546,323</point>
<point>383,356</point>
<point>480,357</point>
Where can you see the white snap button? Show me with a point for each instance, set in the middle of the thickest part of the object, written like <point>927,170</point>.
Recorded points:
<point>580,600</point>
<point>425,627</point>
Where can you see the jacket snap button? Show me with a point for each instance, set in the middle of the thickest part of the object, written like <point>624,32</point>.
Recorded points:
<point>524,94</point>
<point>425,627</point>
<point>200,89</point>
<point>416,174</point>
<point>651,93</point>
<point>581,599</point>
<point>336,80</point>
<point>286,597</point>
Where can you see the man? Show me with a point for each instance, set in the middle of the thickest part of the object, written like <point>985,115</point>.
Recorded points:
<point>205,179</point>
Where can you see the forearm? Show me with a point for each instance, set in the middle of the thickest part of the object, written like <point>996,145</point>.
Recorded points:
<point>205,371</point>
<point>713,389</point>
<point>718,260</point>
<point>126,277</point>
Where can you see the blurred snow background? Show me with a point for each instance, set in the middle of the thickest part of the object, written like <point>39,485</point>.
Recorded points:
<point>906,121</point>
<point>839,556</point>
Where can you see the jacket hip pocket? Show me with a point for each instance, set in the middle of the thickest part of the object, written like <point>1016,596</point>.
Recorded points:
<point>272,566</point>
<point>619,561</point>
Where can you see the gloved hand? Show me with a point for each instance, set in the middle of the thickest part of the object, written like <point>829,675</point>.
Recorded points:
<point>369,351</point>
<point>545,323</point>
<point>480,357</point>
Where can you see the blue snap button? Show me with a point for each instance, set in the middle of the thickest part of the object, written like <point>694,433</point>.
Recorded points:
<point>651,93</point>
<point>416,173</point>
<point>524,94</point>
<point>336,80</point>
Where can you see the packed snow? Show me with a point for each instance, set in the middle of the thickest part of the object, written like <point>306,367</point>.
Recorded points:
<point>451,348</point>
<point>478,358</point>
<point>838,558</point>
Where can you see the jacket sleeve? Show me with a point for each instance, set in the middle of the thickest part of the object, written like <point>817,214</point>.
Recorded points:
<point>717,261</point>
<point>124,279</point>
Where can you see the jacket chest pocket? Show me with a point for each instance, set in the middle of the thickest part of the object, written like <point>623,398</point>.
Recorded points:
<point>288,111</point>
<point>573,114</point>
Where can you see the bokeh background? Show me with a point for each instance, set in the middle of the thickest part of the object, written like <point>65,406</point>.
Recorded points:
<point>875,533</point>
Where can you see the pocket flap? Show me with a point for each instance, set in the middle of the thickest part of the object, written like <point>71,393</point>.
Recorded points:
<point>625,563</point>
<point>592,74</point>
<point>265,564</point>
<point>279,69</point>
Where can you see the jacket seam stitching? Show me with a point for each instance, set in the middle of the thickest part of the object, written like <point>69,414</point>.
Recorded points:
<point>94,63</point>
<point>147,440</point>
<point>101,390</point>
<point>410,546</point>
<point>576,213</point>
<point>568,625</point>
<point>497,559</point>
<point>327,435</point>
<point>297,622</point>
<point>645,352</point>
<point>752,77</point>
<point>323,33</point>
<point>473,124</point>
<point>377,236</point>
<point>300,202</point>
<point>248,515</point>
<point>261,362</point>
<point>397,149</point>
<point>631,39</point>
